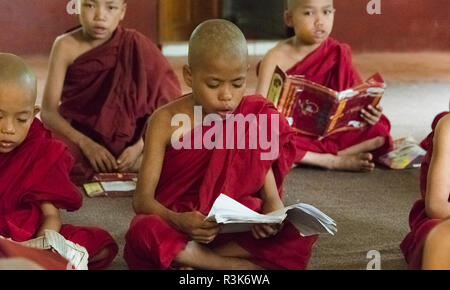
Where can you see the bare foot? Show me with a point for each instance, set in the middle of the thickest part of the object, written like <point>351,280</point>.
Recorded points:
<point>361,162</point>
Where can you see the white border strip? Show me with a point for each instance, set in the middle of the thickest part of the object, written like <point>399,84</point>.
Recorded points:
<point>254,48</point>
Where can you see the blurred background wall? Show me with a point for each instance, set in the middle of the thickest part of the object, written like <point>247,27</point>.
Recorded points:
<point>30,26</point>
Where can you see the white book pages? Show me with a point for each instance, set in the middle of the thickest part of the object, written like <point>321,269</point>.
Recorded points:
<point>236,217</point>
<point>74,253</point>
<point>119,185</point>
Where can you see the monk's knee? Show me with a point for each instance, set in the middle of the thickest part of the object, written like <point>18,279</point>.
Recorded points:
<point>144,227</point>
<point>438,235</point>
<point>436,253</point>
<point>148,241</point>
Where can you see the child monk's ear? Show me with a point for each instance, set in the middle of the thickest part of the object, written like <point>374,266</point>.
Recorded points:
<point>36,111</point>
<point>288,18</point>
<point>187,75</point>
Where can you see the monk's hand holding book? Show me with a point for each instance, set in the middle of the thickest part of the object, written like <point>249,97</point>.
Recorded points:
<point>263,231</point>
<point>100,158</point>
<point>195,225</point>
<point>372,114</point>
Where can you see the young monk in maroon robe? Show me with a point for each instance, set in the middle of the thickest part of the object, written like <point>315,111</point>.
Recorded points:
<point>320,58</point>
<point>427,246</point>
<point>103,83</point>
<point>178,186</point>
<point>34,179</point>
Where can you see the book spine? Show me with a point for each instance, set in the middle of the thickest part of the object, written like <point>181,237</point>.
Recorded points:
<point>284,95</point>
<point>335,117</point>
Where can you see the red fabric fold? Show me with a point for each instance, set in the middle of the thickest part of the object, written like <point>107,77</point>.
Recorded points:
<point>110,91</point>
<point>193,179</point>
<point>419,222</point>
<point>38,171</point>
<point>331,65</point>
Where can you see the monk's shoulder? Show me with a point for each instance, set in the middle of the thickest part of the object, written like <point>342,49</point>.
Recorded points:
<point>161,118</point>
<point>68,45</point>
<point>343,48</point>
<point>141,39</point>
<point>278,52</point>
<point>443,125</point>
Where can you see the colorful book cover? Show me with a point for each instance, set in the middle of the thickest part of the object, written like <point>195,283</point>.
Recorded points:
<point>320,111</point>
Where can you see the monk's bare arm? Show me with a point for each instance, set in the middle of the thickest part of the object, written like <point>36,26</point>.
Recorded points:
<point>438,186</point>
<point>270,195</point>
<point>156,140</point>
<point>271,202</point>
<point>266,69</point>
<point>51,219</point>
<point>60,59</point>
<point>191,223</point>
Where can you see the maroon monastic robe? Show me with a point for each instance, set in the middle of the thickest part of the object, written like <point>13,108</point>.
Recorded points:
<point>419,222</point>
<point>191,180</point>
<point>110,91</point>
<point>331,65</point>
<point>35,172</point>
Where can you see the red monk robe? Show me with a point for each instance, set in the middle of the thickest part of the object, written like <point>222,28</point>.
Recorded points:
<point>192,179</point>
<point>331,65</point>
<point>38,171</point>
<point>110,91</point>
<point>419,222</point>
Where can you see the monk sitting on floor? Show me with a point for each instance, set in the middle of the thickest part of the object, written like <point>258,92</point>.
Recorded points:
<point>181,176</point>
<point>103,83</point>
<point>320,58</point>
<point>35,168</point>
<point>427,246</point>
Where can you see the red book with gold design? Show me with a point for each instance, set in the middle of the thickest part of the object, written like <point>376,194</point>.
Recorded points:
<point>316,110</point>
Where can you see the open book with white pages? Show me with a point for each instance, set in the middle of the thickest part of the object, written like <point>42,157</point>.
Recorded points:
<point>74,253</point>
<point>236,217</point>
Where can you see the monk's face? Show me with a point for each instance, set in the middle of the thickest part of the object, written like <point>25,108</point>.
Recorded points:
<point>17,111</point>
<point>218,83</point>
<point>312,20</point>
<point>100,18</point>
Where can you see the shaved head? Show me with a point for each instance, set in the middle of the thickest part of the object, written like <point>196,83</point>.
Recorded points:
<point>14,70</point>
<point>292,4</point>
<point>216,38</point>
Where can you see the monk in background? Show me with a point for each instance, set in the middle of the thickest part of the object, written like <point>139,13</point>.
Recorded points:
<point>322,59</point>
<point>103,83</point>
<point>34,171</point>
<point>178,186</point>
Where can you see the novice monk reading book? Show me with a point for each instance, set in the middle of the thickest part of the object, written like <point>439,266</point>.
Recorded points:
<point>103,83</point>
<point>427,246</point>
<point>34,171</point>
<point>178,186</point>
<point>321,59</point>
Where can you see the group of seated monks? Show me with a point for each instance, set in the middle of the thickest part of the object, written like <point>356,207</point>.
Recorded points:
<point>109,105</point>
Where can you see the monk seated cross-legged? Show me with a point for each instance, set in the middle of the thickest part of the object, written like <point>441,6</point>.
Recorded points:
<point>35,168</point>
<point>181,176</point>
<point>322,59</point>
<point>103,83</point>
